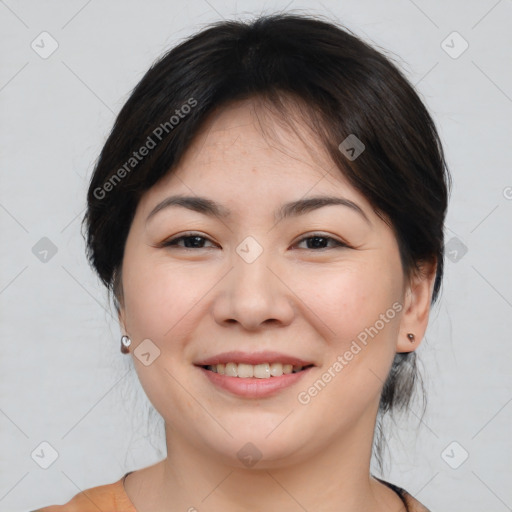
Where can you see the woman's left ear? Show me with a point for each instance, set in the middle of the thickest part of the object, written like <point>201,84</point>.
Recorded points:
<point>418,296</point>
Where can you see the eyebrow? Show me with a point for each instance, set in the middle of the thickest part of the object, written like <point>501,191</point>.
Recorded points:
<point>292,209</point>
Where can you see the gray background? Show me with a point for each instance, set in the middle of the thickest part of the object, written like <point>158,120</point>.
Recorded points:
<point>64,380</point>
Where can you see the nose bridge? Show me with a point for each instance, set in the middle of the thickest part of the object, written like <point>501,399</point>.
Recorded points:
<point>252,279</point>
<point>253,294</point>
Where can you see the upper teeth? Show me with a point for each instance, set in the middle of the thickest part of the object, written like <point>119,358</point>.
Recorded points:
<point>260,371</point>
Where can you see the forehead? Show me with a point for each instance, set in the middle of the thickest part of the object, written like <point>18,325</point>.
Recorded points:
<point>248,158</point>
<point>244,140</point>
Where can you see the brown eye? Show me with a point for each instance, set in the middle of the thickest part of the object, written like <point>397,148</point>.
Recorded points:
<point>319,241</point>
<point>191,241</point>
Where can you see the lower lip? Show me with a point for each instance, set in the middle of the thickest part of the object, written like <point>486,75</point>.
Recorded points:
<point>252,387</point>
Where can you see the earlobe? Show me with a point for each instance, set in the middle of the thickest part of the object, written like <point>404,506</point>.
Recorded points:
<point>415,317</point>
<point>125,339</point>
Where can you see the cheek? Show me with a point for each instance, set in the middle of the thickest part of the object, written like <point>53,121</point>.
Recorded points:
<point>350,299</point>
<point>359,324</point>
<point>356,305</point>
<point>158,295</point>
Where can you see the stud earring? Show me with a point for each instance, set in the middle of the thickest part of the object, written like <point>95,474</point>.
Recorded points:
<point>125,343</point>
<point>411,337</point>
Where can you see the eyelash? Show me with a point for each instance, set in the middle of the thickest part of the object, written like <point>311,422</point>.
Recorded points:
<point>173,241</point>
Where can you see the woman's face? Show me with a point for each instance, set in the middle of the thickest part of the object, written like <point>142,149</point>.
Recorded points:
<point>261,282</point>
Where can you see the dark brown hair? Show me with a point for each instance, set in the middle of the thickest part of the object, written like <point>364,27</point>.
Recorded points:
<point>342,86</point>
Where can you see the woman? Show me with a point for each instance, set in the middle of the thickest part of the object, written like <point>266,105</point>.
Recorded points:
<point>268,214</point>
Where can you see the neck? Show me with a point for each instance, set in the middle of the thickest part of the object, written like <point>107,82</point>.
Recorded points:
<point>192,479</point>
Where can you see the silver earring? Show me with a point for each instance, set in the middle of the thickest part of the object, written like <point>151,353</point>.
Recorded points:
<point>411,337</point>
<point>125,343</point>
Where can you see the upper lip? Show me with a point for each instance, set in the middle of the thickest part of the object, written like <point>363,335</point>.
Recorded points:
<point>253,358</point>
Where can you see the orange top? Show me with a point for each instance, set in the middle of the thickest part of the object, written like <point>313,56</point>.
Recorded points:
<point>113,498</point>
<point>110,498</point>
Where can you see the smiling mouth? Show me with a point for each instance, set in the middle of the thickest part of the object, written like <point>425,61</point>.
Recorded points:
<point>259,371</point>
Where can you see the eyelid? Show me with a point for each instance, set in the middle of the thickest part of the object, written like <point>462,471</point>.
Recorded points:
<point>190,234</point>
<point>327,236</point>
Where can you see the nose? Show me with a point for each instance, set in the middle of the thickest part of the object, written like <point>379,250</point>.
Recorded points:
<point>254,294</point>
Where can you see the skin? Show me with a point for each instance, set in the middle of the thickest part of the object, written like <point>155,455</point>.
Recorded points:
<point>294,298</point>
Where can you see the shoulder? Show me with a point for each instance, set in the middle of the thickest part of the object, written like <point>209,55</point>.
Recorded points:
<point>109,497</point>
<point>412,504</point>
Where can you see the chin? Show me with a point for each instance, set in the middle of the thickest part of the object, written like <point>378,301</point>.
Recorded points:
<point>254,448</point>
